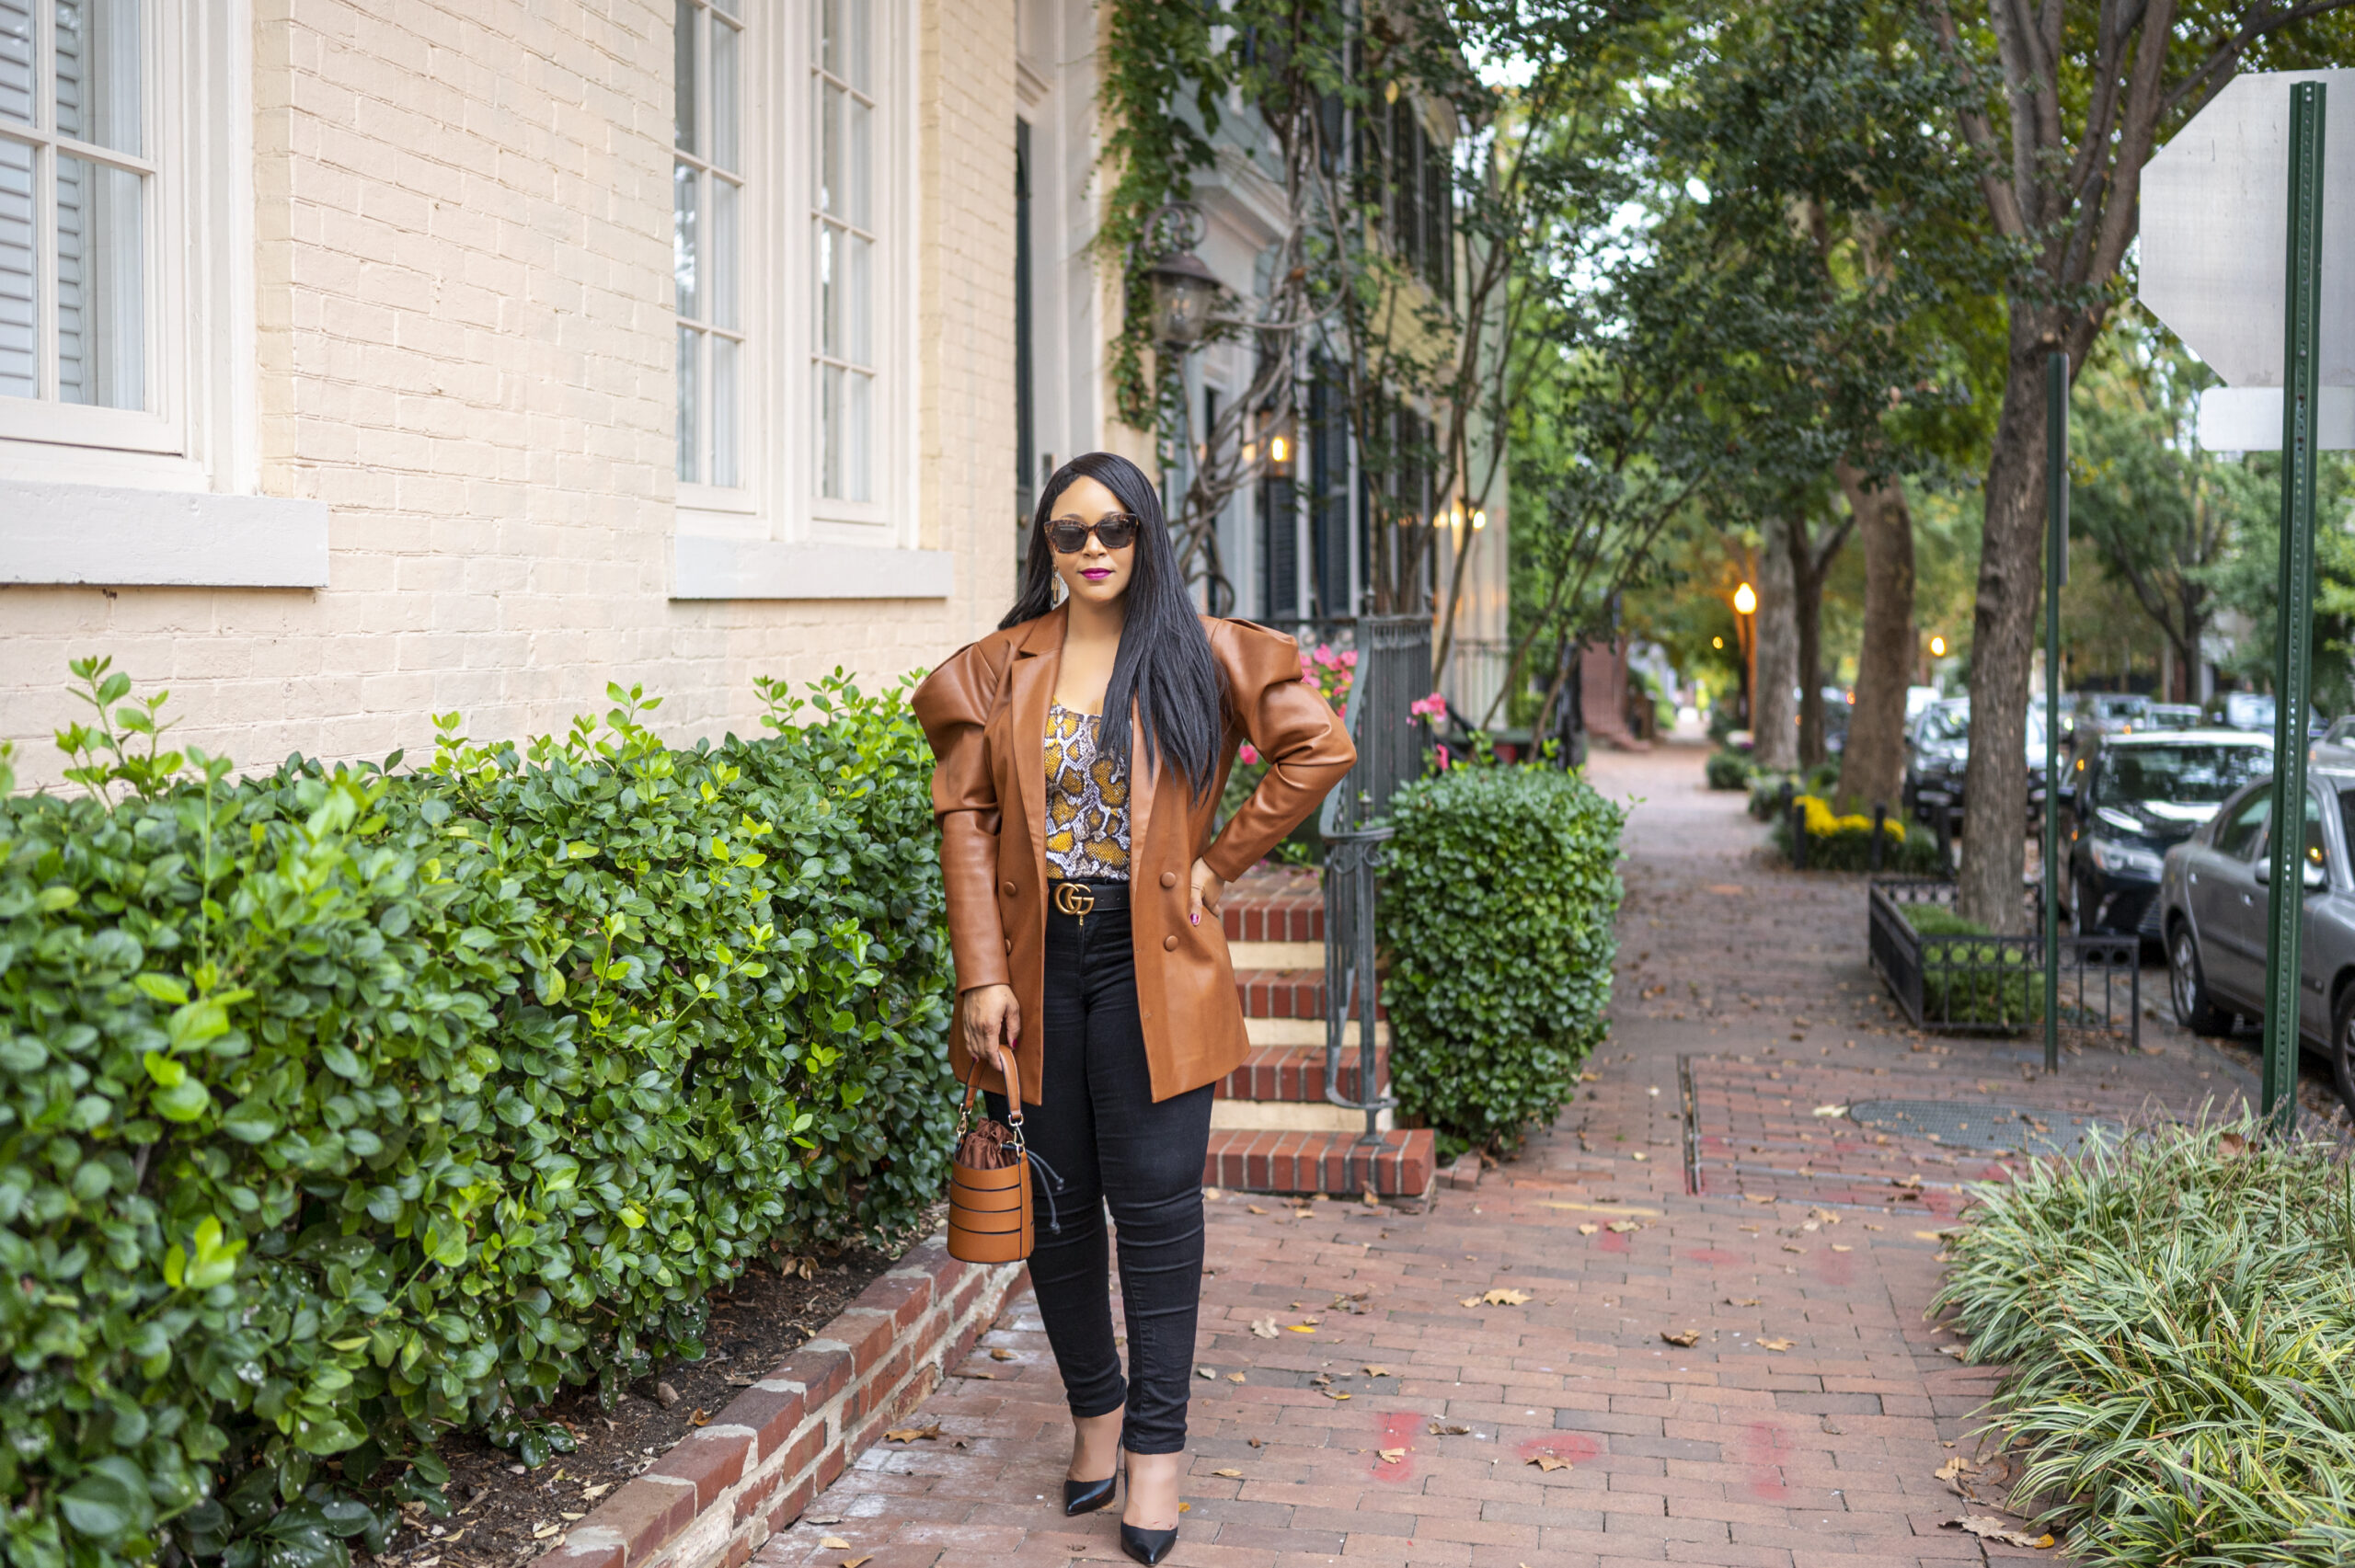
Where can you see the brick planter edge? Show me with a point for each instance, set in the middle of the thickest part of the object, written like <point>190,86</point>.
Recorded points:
<point>723,1489</point>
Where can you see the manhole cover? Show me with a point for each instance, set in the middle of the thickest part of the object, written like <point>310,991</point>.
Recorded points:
<point>1959,1124</point>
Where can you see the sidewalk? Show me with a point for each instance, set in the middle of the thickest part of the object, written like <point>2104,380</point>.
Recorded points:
<point>1487,1382</point>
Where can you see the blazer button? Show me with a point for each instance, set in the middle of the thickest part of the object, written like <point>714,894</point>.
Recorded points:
<point>1169,879</point>
<point>1009,944</point>
<point>1169,943</point>
<point>1010,889</point>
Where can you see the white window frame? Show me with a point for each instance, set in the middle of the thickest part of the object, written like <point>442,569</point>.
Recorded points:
<point>740,498</point>
<point>775,537</point>
<point>169,494</point>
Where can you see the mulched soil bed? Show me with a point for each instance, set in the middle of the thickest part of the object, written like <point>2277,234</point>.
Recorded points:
<point>505,1515</point>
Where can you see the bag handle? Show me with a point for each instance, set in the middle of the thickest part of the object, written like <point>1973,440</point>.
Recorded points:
<point>1013,1086</point>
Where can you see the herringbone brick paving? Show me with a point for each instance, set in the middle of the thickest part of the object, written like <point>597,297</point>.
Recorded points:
<point>1362,1399</point>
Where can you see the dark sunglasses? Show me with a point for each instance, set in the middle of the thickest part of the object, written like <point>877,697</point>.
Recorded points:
<point>1117,531</point>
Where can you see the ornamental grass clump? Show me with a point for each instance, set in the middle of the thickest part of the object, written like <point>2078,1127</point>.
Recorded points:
<point>1499,902</point>
<point>342,1106</point>
<point>2179,1311</point>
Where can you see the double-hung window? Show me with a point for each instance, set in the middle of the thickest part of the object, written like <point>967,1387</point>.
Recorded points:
<point>78,199</point>
<point>793,204</point>
<point>708,240</point>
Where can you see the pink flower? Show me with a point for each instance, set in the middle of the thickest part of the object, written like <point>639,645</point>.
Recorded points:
<point>1247,754</point>
<point>1433,707</point>
<point>1442,759</point>
<point>1325,657</point>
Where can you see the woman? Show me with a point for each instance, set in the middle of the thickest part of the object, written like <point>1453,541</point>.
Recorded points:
<point>1082,749</point>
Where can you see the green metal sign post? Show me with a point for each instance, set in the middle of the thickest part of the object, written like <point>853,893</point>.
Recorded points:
<point>2285,859</point>
<point>2056,573</point>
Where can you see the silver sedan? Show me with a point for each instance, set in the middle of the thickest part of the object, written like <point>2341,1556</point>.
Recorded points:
<point>2213,901</point>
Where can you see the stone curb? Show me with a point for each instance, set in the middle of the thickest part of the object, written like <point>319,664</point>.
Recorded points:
<point>723,1489</point>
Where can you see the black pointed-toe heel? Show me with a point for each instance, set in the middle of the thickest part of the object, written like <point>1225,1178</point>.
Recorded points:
<point>1147,1547</point>
<point>1086,1496</point>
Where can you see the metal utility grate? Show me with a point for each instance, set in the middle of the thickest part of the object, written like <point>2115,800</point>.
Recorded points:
<point>1957,1124</point>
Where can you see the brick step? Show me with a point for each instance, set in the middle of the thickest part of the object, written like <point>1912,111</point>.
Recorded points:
<point>1295,1074</point>
<point>1244,1160</point>
<point>1275,906</point>
<point>1285,993</point>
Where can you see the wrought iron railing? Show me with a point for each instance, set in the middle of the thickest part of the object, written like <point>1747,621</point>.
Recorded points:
<point>1968,984</point>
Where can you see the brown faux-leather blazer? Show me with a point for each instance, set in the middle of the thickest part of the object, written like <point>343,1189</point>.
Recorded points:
<point>984,710</point>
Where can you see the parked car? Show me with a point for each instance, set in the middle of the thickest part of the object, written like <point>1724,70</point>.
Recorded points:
<point>1937,752</point>
<point>2131,798</point>
<point>2111,713</point>
<point>2214,902</point>
<point>2172,715</point>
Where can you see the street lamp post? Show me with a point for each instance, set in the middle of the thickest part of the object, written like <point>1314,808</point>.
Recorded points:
<point>1745,610</point>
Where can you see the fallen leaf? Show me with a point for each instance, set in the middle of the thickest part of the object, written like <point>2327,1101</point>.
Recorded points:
<point>1234,1376</point>
<point>590,1493</point>
<point>1589,1229</point>
<point>1788,1248</point>
<point>1263,1327</point>
<point>1255,1209</point>
<point>1303,1214</point>
<point>1986,1527</point>
<point>1449,1429</point>
<point>913,1434</point>
<point>1741,1300</point>
<point>699,1418</point>
<point>1001,1355</point>
<point>1956,1351</point>
<point>1954,1466</point>
<point>739,1381</point>
<point>1301,1328</point>
<point>1373,1371</point>
<point>1639,1155</point>
<point>984,1377</point>
<point>1230,1474</point>
<point>1549,1463</point>
<point>1391,1456</point>
<point>665,1395</point>
<point>1331,1393</point>
<point>1211,1193</point>
<point>2230,1144</point>
<point>1182,1507</point>
<point>1467,1301</point>
<point>1831,1110</point>
<point>1622,1227</point>
<point>854,1562</point>
<point>833,1543</point>
<point>1502,1298</point>
<point>1827,1424</point>
<point>1912,1181</point>
<point>1757,1198</point>
<point>1777,1344</point>
<point>1254,1442</point>
<point>1689,1337</point>
<point>1841,1247</point>
<point>1205,1372</point>
<point>542,1532</point>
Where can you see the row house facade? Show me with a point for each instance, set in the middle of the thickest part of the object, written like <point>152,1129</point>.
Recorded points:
<point>361,359</point>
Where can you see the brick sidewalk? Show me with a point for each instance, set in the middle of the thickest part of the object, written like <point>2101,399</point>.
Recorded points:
<point>1383,1410</point>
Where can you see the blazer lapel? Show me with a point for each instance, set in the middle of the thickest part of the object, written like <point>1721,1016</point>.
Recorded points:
<point>1140,772</point>
<point>1035,665</point>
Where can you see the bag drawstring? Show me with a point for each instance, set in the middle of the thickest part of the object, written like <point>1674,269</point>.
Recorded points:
<point>1054,1224</point>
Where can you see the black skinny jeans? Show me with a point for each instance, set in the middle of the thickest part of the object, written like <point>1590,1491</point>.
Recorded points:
<point>1101,1129</point>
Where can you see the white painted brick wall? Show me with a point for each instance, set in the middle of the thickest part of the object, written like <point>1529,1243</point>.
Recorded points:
<point>462,252</point>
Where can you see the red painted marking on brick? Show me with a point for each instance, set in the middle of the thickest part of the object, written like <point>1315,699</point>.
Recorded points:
<point>1611,1242</point>
<point>1766,1449</point>
<point>1397,1431</point>
<point>1708,1254</point>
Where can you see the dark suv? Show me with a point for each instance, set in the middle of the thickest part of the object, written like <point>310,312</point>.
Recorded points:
<point>2133,796</point>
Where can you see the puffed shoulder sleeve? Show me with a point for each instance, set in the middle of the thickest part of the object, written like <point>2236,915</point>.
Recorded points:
<point>1288,723</point>
<point>953,704</point>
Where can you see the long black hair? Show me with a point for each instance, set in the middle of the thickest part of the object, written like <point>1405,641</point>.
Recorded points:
<point>1165,662</point>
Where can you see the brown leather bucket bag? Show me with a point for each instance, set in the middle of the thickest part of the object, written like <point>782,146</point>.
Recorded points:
<point>989,1180</point>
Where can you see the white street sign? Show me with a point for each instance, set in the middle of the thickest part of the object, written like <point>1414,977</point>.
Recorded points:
<point>2215,248</point>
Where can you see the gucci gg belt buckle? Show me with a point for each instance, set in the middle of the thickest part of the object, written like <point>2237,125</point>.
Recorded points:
<point>1074,899</point>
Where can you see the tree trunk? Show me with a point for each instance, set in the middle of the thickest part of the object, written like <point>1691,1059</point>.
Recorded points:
<point>1806,609</point>
<point>2011,581</point>
<point>1872,764</point>
<point>1773,718</point>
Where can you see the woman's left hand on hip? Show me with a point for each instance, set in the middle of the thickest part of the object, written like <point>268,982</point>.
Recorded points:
<point>1209,887</point>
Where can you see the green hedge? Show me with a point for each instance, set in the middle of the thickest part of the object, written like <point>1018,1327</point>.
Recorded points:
<point>341,1107</point>
<point>1497,908</point>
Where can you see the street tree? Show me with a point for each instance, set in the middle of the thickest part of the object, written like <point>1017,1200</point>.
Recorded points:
<point>2063,105</point>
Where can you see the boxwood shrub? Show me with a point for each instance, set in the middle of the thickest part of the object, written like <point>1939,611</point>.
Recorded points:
<point>1497,908</point>
<point>340,1106</point>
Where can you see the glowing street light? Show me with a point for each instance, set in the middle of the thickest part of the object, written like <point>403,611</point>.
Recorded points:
<point>1745,600</point>
<point>1937,648</point>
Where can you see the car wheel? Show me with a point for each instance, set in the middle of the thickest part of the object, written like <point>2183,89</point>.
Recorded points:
<point>2194,1009</point>
<point>2342,1046</point>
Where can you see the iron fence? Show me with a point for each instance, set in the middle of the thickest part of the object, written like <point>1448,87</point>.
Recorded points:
<point>1962,983</point>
